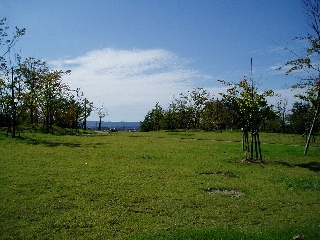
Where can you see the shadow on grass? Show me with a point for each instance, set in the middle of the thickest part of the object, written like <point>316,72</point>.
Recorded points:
<point>33,141</point>
<point>312,166</point>
<point>286,164</point>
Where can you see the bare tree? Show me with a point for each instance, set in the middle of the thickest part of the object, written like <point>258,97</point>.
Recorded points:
<point>102,112</point>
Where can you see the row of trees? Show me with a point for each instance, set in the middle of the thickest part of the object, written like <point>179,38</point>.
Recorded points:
<point>213,114</point>
<point>240,107</point>
<point>33,95</point>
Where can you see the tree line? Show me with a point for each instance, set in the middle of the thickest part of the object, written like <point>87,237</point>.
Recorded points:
<point>32,95</point>
<point>199,110</point>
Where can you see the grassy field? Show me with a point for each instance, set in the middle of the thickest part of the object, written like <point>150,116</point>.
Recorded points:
<point>157,185</point>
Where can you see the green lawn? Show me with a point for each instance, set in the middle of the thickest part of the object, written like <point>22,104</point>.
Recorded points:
<point>157,185</point>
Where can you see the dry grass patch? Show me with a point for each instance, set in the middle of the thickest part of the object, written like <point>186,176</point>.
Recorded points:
<point>232,192</point>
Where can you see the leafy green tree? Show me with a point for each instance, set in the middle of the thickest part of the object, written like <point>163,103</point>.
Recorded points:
<point>282,108</point>
<point>219,115</point>
<point>213,116</point>
<point>183,113</point>
<point>195,110</point>
<point>153,121</point>
<point>46,98</point>
<point>209,116</point>
<point>300,118</point>
<point>253,108</point>
<point>73,110</point>
<point>146,125</point>
<point>31,93</point>
<point>195,103</point>
<point>65,117</point>
<point>31,72</point>
<point>53,91</point>
<point>85,109</point>
<point>170,119</point>
<point>157,115</point>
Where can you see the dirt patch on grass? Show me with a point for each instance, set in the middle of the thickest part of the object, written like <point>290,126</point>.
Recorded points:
<point>233,192</point>
<point>250,160</point>
<point>225,174</point>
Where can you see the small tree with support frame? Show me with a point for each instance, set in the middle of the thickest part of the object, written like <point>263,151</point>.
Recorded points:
<point>253,110</point>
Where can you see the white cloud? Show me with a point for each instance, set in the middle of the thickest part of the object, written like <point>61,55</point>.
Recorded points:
<point>129,83</point>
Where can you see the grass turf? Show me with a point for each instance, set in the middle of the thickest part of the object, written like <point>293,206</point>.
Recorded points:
<point>156,186</point>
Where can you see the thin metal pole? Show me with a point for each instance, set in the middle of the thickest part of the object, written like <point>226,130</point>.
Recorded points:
<point>13,107</point>
<point>316,115</point>
<point>252,118</point>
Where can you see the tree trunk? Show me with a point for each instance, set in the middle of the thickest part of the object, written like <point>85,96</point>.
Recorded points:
<point>251,150</point>
<point>243,140</point>
<point>260,152</point>
<point>311,129</point>
<point>256,145</point>
<point>85,115</point>
<point>8,120</point>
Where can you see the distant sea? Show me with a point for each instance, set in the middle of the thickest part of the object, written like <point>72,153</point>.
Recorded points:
<point>120,126</point>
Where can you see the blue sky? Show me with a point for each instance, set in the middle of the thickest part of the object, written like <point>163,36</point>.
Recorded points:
<point>128,55</point>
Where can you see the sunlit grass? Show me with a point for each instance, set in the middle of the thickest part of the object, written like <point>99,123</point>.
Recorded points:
<point>155,185</point>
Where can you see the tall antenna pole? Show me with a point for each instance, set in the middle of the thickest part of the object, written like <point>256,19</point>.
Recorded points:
<point>252,122</point>
<point>251,78</point>
<point>13,105</point>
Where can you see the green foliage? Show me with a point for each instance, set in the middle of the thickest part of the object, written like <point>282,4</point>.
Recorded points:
<point>253,106</point>
<point>153,120</point>
<point>44,98</point>
<point>199,111</point>
<point>196,102</point>
<point>300,118</point>
<point>254,111</point>
<point>195,110</point>
<point>31,93</point>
